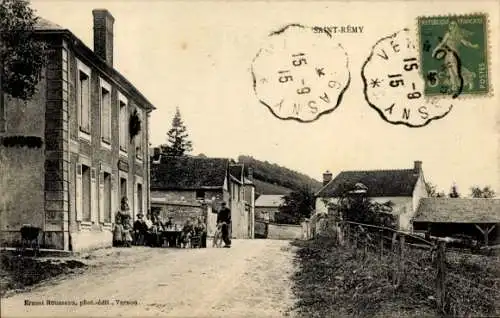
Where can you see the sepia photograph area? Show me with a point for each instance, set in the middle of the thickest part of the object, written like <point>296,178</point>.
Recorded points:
<point>249,158</point>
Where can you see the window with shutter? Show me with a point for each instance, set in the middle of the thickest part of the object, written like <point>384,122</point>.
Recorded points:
<point>139,139</point>
<point>83,98</point>
<point>139,199</point>
<point>79,192</point>
<point>107,188</point>
<point>86,193</point>
<point>102,211</point>
<point>136,206</point>
<point>123,120</point>
<point>105,101</point>
<point>94,205</point>
<point>114,197</point>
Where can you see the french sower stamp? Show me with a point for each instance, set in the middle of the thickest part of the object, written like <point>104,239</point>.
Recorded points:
<point>393,84</point>
<point>300,74</point>
<point>454,54</point>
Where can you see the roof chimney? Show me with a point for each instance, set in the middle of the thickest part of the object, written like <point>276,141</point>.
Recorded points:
<point>156,151</point>
<point>327,177</point>
<point>417,167</point>
<point>103,34</point>
<point>250,173</point>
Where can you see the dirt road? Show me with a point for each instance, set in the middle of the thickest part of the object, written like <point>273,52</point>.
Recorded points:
<point>251,279</point>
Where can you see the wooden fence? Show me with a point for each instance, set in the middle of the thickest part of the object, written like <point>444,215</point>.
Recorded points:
<point>397,246</point>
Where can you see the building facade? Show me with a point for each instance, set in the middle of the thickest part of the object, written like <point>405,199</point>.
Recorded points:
<point>403,187</point>
<point>267,206</point>
<point>185,187</point>
<point>93,126</point>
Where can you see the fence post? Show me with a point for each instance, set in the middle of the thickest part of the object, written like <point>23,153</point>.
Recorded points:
<point>399,272</point>
<point>402,247</point>
<point>441,276</point>
<point>348,234</point>
<point>339,228</point>
<point>394,258</point>
<point>381,232</point>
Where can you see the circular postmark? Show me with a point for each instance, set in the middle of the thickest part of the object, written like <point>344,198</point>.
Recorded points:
<point>394,86</point>
<point>300,74</point>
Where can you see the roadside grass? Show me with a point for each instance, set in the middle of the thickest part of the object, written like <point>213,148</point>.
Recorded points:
<point>19,272</point>
<point>332,281</point>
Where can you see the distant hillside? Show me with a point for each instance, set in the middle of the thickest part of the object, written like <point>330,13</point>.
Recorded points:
<point>262,187</point>
<point>275,175</point>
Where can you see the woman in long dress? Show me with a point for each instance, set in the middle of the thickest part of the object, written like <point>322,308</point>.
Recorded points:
<point>118,230</point>
<point>126,223</point>
<point>122,232</point>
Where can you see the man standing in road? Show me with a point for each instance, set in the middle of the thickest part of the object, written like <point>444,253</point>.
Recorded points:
<point>224,217</point>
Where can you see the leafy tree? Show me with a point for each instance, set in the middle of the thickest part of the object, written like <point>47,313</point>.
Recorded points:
<point>485,192</point>
<point>454,192</point>
<point>297,205</point>
<point>432,190</point>
<point>355,205</point>
<point>22,56</point>
<point>178,143</point>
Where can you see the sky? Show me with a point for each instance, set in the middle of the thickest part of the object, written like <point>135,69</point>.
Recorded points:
<point>198,55</point>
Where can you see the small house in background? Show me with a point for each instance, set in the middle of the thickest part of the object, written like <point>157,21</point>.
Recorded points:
<point>185,187</point>
<point>267,206</point>
<point>456,217</point>
<point>402,187</point>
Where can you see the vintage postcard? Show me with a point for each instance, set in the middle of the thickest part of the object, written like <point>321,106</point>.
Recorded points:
<point>249,158</point>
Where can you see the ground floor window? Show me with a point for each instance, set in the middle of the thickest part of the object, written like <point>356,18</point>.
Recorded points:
<point>107,197</point>
<point>123,188</point>
<point>139,198</point>
<point>86,196</point>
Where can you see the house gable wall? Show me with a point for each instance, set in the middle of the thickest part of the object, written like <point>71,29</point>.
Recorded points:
<point>403,207</point>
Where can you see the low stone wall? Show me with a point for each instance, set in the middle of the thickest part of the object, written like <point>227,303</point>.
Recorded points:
<point>179,211</point>
<point>89,240</point>
<point>284,232</point>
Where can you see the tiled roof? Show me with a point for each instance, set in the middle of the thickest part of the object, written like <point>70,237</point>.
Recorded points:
<point>236,170</point>
<point>44,24</point>
<point>458,210</point>
<point>188,173</point>
<point>269,200</point>
<point>380,183</point>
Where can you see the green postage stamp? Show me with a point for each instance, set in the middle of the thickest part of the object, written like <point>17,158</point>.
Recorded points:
<point>454,54</point>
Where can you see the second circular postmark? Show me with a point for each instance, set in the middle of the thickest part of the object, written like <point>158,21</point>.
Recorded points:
<point>394,85</point>
<point>299,74</point>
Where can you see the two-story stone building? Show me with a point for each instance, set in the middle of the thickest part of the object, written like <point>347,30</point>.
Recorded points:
<point>71,182</point>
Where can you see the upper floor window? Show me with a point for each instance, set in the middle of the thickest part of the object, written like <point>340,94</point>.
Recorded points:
<point>83,97</point>
<point>124,119</point>
<point>139,139</point>
<point>105,100</point>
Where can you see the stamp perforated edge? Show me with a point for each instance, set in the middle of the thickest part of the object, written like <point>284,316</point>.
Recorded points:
<point>487,32</point>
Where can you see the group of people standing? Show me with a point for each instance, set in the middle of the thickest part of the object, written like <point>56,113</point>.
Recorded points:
<point>153,231</point>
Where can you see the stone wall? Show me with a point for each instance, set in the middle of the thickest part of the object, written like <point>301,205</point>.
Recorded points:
<point>22,195</point>
<point>284,232</point>
<point>21,167</point>
<point>180,212</point>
